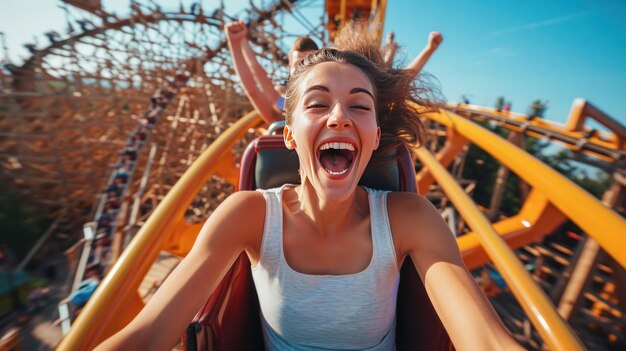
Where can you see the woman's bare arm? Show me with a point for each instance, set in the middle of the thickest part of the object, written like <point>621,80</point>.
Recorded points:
<point>469,318</point>
<point>260,97</point>
<point>434,40</point>
<point>222,238</point>
<point>259,73</point>
<point>390,53</point>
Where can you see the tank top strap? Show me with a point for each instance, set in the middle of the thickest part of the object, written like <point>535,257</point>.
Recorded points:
<point>271,249</point>
<point>382,239</point>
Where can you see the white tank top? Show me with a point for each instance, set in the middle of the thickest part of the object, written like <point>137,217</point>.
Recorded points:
<point>327,312</point>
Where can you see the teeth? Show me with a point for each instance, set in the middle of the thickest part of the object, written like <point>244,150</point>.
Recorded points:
<point>336,173</point>
<point>337,146</point>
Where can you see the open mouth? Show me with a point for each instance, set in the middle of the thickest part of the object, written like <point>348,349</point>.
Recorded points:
<point>337,157</point>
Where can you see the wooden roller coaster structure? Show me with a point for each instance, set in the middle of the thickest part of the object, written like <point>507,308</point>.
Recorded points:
<point>161,83</point>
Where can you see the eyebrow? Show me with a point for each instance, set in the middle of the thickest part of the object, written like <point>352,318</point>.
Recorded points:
<point>361,90</point>
<point>316,87</point>
<point>325,89</point>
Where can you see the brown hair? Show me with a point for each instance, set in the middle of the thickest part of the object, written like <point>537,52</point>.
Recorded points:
<point>355,36</point>
<point>304,43</point>
<point>397,118</point>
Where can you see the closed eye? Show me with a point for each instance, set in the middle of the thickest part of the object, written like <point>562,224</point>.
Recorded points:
<point>315,105</point>
<point>361,107</point>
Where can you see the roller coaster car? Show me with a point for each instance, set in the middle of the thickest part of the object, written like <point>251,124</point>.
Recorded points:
<point>230,320</point>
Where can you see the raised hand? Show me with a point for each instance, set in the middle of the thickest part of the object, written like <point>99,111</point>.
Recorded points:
<point>434,39</point>
<point>235,31</point>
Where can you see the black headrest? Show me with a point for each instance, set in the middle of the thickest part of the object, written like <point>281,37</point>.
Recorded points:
<point>276,165</point>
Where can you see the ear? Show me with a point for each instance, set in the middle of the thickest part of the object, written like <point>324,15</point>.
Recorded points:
<point>377,138</point>
<point>290,142</point>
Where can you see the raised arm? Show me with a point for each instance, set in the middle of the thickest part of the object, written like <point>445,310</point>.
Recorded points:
<point>261,77</point>
<point>467,315</point>
<point>261,97</point>
<point>389,51</point>
<point>434,40</point>
<point>222,238</point>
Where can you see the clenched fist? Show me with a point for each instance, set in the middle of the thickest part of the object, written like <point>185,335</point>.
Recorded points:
<point>434,39</point>
<point>235,31</point>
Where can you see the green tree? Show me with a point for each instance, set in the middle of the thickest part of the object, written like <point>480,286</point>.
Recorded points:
<point>483,168</point>
<point>499,103</point>
<point>593,180</point>
<point>538,108</point>
<point>20,224</point>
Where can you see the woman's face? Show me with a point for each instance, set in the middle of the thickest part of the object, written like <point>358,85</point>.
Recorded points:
<point>333,128</point>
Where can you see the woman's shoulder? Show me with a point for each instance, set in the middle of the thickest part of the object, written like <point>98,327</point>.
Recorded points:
<point>411,208</point>
<point>407,203</point>
<point>412,217</point>
<point>237,221</point>
<point>247,202</point>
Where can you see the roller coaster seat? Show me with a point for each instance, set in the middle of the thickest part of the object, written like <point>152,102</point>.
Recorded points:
<point>230,320</point>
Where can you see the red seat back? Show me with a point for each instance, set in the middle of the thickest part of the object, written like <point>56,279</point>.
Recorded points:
<point>231,321</point>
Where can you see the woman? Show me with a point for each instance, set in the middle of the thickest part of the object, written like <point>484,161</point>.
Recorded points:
<point>325,254</point>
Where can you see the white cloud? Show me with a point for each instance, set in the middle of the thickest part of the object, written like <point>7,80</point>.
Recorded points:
<point>544,23</point>
<point>505,51</point>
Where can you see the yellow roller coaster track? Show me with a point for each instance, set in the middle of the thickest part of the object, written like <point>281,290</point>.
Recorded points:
<point>552,200</point>
<point>608,146</point>
<point>116,301</point>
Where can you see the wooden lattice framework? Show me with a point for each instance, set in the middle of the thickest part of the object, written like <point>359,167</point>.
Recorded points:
<point>68,111</point>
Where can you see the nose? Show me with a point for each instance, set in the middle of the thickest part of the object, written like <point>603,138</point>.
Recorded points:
<point>338,118</point>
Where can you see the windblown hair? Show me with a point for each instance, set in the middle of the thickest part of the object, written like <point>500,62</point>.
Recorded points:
<point>355,36</point>
<point>395,94</point>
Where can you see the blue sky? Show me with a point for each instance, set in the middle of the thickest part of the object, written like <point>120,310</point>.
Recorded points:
<point>555,50</point>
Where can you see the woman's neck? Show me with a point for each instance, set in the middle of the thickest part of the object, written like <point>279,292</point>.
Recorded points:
<point>330,217</point>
